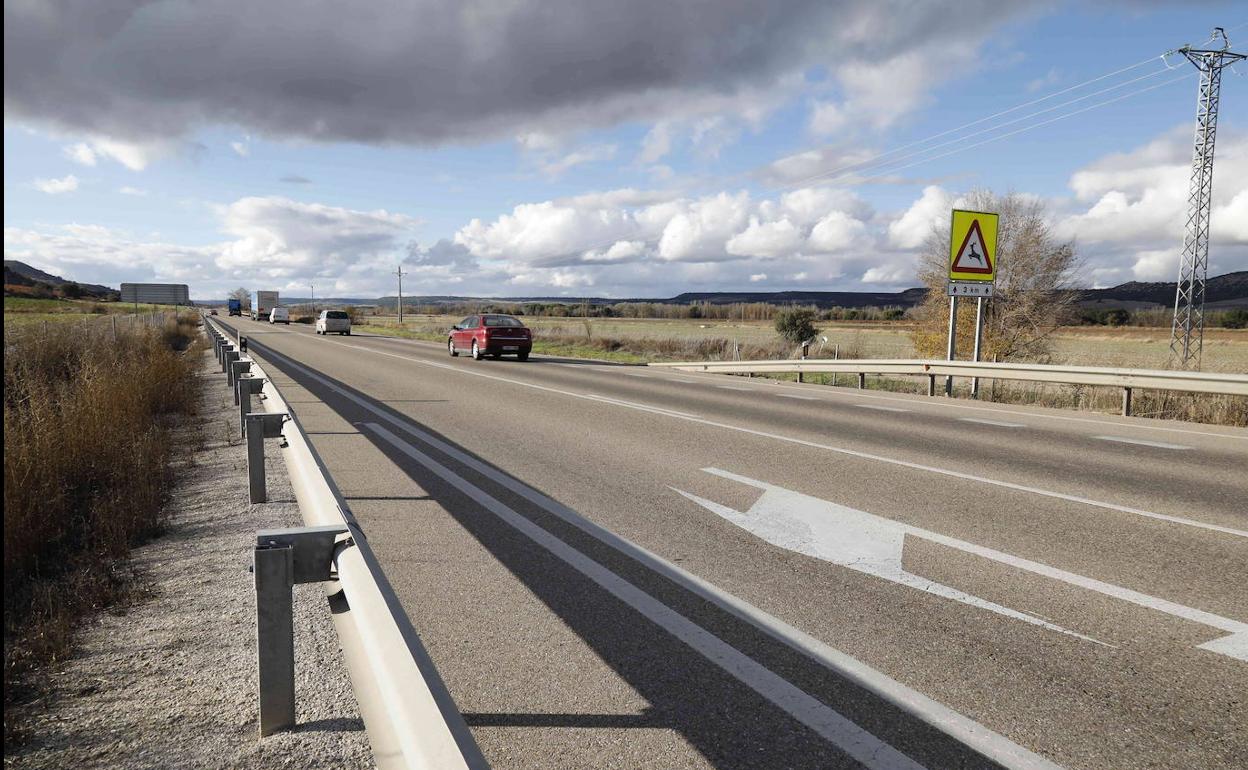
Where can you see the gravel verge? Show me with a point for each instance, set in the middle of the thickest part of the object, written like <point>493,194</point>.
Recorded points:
<point>170,681</point>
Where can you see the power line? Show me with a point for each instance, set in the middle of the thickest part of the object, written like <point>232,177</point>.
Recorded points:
<point>1006,111</point>
<point>878,160</point>
<point>1025,129</point>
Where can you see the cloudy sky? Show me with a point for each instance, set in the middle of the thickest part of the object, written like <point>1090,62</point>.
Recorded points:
<point>596,147</point>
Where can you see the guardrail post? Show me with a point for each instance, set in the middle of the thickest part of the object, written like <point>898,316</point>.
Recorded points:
<point>246,386</point>
<point>805,352</point>
<point>237,368</point>
<point>259,426</point>
<point>862,380</point>
<point>282,559</point>
<point>231,356</point>
<point>931,384</point>
<point>1126,402</point>
<point>275,636</point>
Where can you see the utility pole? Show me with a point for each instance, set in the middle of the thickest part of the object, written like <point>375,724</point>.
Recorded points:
<point>1188,328</point>
<point>400,274</point>
<point>312,288</point>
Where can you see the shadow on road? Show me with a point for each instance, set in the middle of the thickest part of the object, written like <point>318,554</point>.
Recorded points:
<point>727,722</point>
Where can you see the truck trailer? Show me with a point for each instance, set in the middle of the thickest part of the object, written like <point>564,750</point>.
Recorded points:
<point>261,303</point>
<point>235,306</point>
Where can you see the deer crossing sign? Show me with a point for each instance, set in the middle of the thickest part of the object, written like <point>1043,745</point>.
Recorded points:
<point>973,246</point>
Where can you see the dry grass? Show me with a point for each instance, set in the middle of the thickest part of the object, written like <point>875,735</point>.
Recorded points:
<point>87,469</point>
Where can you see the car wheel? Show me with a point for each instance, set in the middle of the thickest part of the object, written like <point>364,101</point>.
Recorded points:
<point>476,351</point>
<point>522,356</point>
<point>450,347</point>
<point>347,333</point>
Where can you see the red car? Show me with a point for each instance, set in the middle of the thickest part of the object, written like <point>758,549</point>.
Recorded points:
<point>492,335</point>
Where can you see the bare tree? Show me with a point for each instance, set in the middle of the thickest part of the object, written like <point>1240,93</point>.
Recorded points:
<point>1033,294</point>
<point>241,294</point>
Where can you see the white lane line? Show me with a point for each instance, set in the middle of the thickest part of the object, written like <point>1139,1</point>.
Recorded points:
<point>635,374</point>
<point>830,448</point>
<point>946,404</point>
<point>934,713</point>
<point>1141,442</point>
<point>794,395</point>
<point>634,405</point>
<point>828,723</point>
<point>882,408</point>
<point>734,387</point>
<point>998,423</point>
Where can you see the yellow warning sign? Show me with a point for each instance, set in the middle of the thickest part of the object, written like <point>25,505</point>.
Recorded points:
<point>973,246</point>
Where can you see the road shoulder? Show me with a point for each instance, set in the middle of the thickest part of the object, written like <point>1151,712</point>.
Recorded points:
<point>171,681</point>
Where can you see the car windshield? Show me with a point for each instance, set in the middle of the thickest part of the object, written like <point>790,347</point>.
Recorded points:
<point>336,314</point>
<point>502,320</point>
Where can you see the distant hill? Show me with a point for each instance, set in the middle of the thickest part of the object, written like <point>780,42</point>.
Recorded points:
<point>1222,292</point>
<point>21,274</point>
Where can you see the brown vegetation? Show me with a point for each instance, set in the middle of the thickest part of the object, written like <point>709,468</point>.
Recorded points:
<point>1033,294</point>
<point>87,468</point>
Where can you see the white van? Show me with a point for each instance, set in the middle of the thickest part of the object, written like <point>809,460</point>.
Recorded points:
<point>279,315</point>
<point>333,321</point>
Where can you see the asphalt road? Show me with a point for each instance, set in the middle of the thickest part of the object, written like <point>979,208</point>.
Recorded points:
<point>615,566</point>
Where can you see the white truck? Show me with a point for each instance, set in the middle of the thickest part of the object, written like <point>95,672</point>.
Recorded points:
<point>261,303</point>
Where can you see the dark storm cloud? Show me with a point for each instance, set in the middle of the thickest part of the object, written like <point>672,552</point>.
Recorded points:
<point>432,71</point>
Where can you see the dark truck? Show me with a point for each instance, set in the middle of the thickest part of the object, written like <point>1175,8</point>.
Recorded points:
<point>236,307</point>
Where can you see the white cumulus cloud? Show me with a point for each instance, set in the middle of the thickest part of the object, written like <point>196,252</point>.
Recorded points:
<point>65,184</point>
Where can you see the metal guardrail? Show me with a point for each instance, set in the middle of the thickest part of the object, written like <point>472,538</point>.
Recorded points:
<point>1128,379</point>
<point>411,720</point>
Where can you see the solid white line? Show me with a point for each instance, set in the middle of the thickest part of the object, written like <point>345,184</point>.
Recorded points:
<point>819,717</point>
<point>992,745</point>
<point>882,408</point>
<point>734,387</point>
<point>634,405</point>
<point>831,448</point>
<point>947,404</point>
<point>1141,442</point>
<point>794,395</point>
<point>998,423</point>
<point>635,374</point>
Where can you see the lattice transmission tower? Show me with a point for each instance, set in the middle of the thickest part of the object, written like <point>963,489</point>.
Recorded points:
<point>1187,331</point>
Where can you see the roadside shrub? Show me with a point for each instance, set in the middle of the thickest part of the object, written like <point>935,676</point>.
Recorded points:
<point>1235,319</point>
<point>87,468</point>
<point>796,325</point>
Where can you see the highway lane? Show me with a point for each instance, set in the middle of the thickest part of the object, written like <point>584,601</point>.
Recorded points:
<point>555,671</point>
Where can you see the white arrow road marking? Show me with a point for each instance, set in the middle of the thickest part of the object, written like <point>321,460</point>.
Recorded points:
<point>873,545</point>
<point>869,750</point>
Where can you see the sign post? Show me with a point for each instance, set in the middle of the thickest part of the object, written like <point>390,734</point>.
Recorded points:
<point>972,273</point>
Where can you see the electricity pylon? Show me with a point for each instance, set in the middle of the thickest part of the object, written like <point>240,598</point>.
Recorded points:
<point>1187,331</point>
